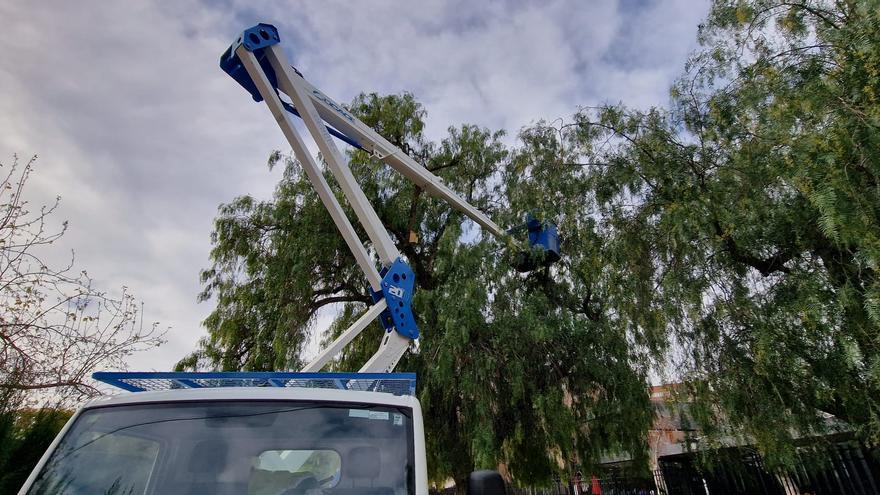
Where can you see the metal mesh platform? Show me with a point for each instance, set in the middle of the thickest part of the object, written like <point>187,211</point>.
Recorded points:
<point>393,383</point>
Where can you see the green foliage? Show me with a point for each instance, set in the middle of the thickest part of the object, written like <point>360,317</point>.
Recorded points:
<point>731,242</point>
<point>745,221</point>
<point>511,368</point>
<point>25,434</point>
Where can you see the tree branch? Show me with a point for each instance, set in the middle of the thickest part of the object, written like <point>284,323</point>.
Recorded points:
<point>765,266</point>
<point>317,304</point>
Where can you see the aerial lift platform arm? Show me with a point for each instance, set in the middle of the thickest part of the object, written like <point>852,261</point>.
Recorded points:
<point>228,419</point>
<point>257,62</point>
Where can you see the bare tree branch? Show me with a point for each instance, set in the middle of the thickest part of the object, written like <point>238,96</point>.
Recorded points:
<point>55,327</point>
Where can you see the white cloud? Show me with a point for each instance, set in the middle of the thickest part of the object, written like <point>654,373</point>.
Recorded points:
<point>143,136</point>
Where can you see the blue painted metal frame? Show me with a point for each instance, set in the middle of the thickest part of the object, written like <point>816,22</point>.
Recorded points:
<point>255,40</point>
<point>398,285</point>
<point>136,381</point>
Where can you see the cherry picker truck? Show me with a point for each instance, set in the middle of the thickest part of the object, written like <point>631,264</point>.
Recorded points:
<point>282,433</point>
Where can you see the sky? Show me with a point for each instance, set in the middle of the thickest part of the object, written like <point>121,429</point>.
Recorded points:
<point>143,136</point>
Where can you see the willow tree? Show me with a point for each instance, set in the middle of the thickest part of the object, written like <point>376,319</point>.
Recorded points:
<point>743,224</point>
<point>525,370</point>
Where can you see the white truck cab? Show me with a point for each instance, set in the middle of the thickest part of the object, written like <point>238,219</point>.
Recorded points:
<point>254,440</point>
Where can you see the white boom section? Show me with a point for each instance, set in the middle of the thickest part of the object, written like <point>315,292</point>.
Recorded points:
<point>311,167</point>
<point>392,348</point>
<point>335,115</point>
<point>299,94</point>
<point>315,108</point>
<point>347,336</point>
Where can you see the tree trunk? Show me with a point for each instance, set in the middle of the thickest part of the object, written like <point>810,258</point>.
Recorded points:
<point>461,482</point>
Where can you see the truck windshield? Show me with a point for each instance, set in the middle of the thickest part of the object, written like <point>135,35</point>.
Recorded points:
<point>226,448</point>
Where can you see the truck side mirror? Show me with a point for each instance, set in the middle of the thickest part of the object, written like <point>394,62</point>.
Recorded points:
<point>485,482</point>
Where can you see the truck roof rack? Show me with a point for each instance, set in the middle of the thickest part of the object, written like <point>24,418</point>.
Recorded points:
<point>137,381</point>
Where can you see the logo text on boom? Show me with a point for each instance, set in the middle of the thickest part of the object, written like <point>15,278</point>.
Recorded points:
<point>332,104</point>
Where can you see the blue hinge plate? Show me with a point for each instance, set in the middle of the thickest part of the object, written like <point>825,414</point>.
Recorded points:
<point>398,283</point>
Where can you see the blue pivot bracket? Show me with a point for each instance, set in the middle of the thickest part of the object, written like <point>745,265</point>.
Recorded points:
<point>398,283</point>
<point>255,40</point>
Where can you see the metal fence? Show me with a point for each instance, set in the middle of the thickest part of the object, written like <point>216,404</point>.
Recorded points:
<point>609,485</point>
<point>612,484</point>
<point>843,469</point>
<point>555,489</point>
